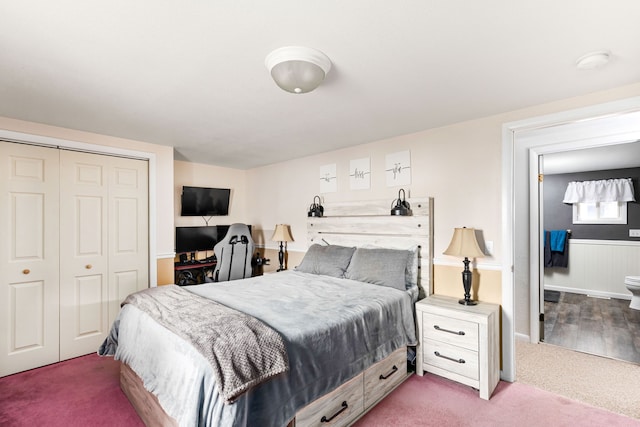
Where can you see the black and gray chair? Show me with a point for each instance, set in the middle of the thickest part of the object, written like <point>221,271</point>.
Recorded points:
<point>234,254</point>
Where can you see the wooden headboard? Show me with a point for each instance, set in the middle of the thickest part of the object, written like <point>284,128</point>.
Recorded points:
<point>370,223</point>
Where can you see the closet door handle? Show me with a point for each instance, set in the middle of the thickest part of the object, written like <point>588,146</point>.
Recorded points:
<point>88,266</point>
<point>26,271</point>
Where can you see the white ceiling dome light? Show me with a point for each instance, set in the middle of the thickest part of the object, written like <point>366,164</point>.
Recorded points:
<point>593,60</point>
<point>298,69</point>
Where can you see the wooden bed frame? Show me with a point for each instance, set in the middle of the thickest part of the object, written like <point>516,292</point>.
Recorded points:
<point>350,224</point>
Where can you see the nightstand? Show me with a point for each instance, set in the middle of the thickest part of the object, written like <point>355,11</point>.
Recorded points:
<point>459,342</point>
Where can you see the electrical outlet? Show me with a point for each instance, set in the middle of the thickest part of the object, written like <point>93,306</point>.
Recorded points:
<point>634,233</point>
<point>488,247</point>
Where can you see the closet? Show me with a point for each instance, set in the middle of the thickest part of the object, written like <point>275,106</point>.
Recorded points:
<point>75,244</point>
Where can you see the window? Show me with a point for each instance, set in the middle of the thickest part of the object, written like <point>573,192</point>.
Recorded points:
<point>600,202</point>
<point>600,213</point>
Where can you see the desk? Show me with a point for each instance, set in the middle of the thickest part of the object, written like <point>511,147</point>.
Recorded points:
<point>192,273</point>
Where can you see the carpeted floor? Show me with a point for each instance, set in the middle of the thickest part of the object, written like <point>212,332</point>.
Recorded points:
<point>595,380</point>
<point>79,392</point>
<point>85,392</point>
<point>436,401</point>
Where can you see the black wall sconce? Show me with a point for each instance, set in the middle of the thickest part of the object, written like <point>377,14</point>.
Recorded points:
<point>316,209</point>
<point>402,207</point>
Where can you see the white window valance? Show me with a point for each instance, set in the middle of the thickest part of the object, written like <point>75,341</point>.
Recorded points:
<point>604,190</point>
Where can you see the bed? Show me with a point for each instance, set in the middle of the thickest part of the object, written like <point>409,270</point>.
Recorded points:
<point>344,314</point>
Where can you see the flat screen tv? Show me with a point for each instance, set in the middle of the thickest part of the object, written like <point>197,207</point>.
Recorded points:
<point>193,239</point>
<point>201,201</point>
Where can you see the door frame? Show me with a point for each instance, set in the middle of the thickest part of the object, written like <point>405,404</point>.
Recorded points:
<point>52,142</point>
<point>524,140</point>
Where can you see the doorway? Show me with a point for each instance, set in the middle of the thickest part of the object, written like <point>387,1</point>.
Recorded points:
<point>584,303</point>
<point>523,141</point>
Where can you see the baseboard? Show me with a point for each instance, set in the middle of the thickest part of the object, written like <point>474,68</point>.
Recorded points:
<point>600,294</point>
<point>522,337</point>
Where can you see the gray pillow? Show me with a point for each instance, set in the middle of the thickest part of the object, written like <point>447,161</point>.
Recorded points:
<point>411,274</point>
<point>384,267</point>
<point>331,260</point>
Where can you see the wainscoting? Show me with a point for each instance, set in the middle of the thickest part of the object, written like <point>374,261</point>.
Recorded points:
<point>596,267</point>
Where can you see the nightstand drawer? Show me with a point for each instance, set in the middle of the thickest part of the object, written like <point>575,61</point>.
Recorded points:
<point>452,331</point>
<point>451,358</point>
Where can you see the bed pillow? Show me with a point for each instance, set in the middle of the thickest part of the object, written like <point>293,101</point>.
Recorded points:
<point>330,260</point>
<point>384,267</point>
<point>413,264</point>
<point>411,273</point>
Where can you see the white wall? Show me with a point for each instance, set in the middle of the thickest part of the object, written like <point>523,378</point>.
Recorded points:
<point>458,165</point>
<point>199,175</point>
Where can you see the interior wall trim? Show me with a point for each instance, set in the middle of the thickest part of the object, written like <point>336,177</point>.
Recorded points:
<point>606,242</point>
<point>168,255</point>
<point>489,266</point>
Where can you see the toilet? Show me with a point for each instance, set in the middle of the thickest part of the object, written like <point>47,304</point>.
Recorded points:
<point>633,284</point>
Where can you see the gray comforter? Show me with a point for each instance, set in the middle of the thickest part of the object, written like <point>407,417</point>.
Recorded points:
<point>242,351</point>
<point>332,328</point>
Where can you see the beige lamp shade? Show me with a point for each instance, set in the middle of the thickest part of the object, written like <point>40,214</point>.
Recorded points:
<point>464,244</point>
<point>282,233</point>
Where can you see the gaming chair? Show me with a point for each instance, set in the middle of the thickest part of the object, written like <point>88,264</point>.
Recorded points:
<point>233,254</point>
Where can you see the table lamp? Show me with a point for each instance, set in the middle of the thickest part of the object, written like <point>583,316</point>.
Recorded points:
<point>282,234</point>
<point>464,244</point>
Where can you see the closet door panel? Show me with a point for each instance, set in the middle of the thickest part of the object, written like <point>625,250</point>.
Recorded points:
<point>84,256</point>
<point>128,230</point>
<point>29,257</point>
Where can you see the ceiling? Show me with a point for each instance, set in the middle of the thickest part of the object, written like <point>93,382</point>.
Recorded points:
<point>619,156</point>
<point>190,74</point>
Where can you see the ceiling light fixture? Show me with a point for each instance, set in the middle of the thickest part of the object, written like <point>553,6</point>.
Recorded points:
<point>298,69</point>
<point>593,60</point>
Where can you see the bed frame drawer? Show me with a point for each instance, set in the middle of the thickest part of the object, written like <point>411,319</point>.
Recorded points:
<point>338,408</point>
<point>384,376</point>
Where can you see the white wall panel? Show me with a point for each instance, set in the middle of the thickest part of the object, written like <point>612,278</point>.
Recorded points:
<point>26,313</point>
<point>596,267</point>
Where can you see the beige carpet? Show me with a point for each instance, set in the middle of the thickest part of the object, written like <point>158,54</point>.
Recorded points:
<point>595,380</point>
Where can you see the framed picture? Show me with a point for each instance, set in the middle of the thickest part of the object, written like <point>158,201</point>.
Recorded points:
<point>328,179</point>
<point>360,174</point>
<point>398,168</point>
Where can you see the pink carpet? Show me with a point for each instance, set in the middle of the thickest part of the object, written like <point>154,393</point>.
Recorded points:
<point>79,392</point>
<point>436,401</point>
<point>85,392</point>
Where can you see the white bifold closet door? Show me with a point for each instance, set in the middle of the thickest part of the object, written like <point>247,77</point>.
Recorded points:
<point>29,257</point>
<point>103,244</point>
<point>85,216</point>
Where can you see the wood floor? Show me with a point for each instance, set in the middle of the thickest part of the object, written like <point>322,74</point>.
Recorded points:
<point>606,327</point>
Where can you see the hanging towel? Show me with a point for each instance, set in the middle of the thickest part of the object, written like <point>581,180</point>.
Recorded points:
<point>547,248</point>
<point>556,248</point>
<point>558,238</point>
